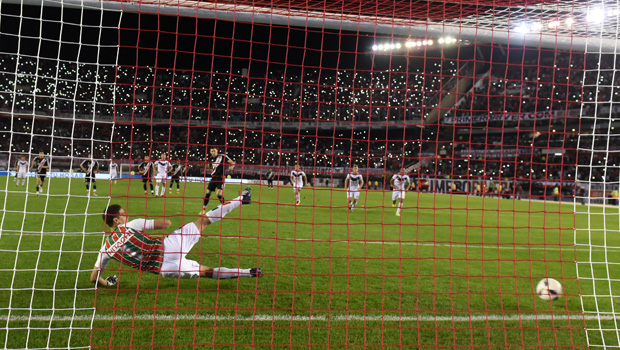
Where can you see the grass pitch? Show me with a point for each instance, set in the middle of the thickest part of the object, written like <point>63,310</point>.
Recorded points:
<point>452,271</point>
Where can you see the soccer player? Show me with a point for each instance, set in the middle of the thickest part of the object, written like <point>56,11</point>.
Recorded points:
<point>299,180</point>
<point>399,183</point>
<point>40,164</point>
<point>131,246</point>
<point>163,168</point>
<point>175,174</point>
<point>269,176</point>
<point>113,171</point>
<point>21,167</point>
<point>218,163</point>
<point>353,183</point>
<point>145,169</point>
<point>90,166</point>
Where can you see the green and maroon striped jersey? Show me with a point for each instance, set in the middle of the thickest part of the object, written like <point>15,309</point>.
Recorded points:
<point>131,246</point>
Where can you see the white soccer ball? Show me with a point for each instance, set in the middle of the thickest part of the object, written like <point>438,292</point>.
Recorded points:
<point>549,289</point>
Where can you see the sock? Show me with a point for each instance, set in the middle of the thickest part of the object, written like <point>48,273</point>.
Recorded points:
<point>220,198</point>
<point>400,205</point>
<point>220,211</point>
<point>177,186</point>
<point>206,200</point>
<point>95,188</point>
<point>151,187</point>
<point>86,188</point>
<point>354,204</point>
<point>297,197</point>
<point>171,185</point>
<point>226,273</point>
<point>163,189</point>
<point>39,188</point>
<point>144,185</point>
<point>156,190</point>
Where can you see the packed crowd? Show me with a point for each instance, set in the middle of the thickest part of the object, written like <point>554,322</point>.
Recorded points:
<point>99,95</point>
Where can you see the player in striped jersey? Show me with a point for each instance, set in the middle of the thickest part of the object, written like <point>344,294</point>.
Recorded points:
<point>40,164</point>
<point>176,171</point>
<point>298,180</point>
<point>144,169</point>
<point>163,168</point>
<point>353,183</point>
<point>21,167</point>
<point>217,164</point>
<point>131,246</point>
<point>90,166</point>
<point>113,171</point>
<point>399,183</point>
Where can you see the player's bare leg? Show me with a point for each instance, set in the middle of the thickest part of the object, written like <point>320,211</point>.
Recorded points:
<point>400,206</point>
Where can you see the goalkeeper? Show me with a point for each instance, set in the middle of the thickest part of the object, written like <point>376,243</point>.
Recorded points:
<point>132,247</point>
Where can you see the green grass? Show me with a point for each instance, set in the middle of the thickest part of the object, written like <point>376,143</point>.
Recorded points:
<point>332,278</point>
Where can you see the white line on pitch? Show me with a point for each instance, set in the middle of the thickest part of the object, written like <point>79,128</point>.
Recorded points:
<point>430,244</point>
<point>317,318</point>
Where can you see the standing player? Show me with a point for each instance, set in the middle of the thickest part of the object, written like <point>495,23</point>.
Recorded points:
<point>90,166</point>
<point>40,164</point>
<point>299,180</point>
<point>269,176</point>
<point>399,183</point>
<point>113,171</point>
<point>353,183</point>
<point>145,169</point>
<point>129,245</point>
<point>218,163</point>
<point>21,167</point>
<point>163,168</point>
<point>175,174</point>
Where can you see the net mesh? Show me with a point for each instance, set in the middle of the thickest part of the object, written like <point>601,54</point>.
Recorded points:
<point>482,133</point>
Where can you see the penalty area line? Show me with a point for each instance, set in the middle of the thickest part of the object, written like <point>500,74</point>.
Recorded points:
<point>316,318</point>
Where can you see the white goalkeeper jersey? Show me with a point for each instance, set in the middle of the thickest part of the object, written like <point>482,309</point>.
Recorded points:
<point>401,182</point>
<point>355,180</point>
<point>162,167</point>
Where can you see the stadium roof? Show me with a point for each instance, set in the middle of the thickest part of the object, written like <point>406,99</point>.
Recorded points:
<point>590,26</point>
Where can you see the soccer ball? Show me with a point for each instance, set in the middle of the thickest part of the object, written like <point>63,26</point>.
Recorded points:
<point>549,289</point>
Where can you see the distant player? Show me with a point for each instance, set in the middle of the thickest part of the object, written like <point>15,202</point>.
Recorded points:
<point>218,163</point>
<point>176,171</point>
<point>40,165</point>
<point>163,168</point>
<point>353,183</point>
<point>21,167</point>
<point>299,180</point>
<point>269,176</point>
<point>90,166</point>
<point>113,171</point>
<point>132,247</point>
<point>145,168</point>
<point>399,183</point>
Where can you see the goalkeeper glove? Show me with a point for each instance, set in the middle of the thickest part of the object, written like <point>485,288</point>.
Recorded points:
<point>112,280</point>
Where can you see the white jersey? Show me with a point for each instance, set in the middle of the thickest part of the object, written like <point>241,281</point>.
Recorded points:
<point>401,182</point>
<point>355,180</point>
<point>298,178</point>
<point>113,168</point>
<point>22,166</point>
<point>162,167</point>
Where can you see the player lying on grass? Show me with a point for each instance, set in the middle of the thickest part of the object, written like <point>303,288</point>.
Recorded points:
<point>132,247</point>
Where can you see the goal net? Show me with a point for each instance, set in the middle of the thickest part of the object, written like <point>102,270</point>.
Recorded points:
<point>415,169</point>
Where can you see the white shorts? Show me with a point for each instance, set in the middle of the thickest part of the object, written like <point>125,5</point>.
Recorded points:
<point>297,187</point>
<point>113,174</point>
<point>161,177</point>
<point>22,174</point>
<point>398,194</point>
<point>353,194</point>
<point>176,246</point>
